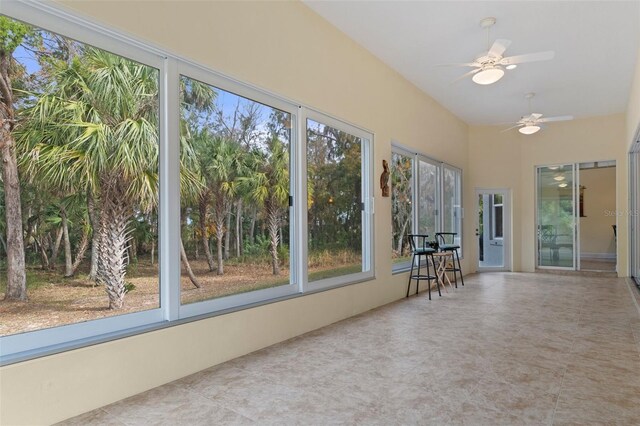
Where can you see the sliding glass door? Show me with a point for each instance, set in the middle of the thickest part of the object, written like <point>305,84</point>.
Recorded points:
<point>634,213</point>
<point>555,215</point>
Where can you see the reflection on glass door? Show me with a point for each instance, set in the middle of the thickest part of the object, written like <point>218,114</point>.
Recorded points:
<point>556,216</point>
<point>492,229</point>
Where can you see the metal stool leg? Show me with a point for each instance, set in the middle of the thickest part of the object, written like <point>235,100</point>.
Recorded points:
<point>418,279</point>
<point>413,258</point>
<point>433,262</point>
<point>453,266</point>
<point>459,267</point>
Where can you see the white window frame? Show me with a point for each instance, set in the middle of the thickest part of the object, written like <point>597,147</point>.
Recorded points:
<point>458,210</point>
<point>368,270</point>
<point>493,218</point>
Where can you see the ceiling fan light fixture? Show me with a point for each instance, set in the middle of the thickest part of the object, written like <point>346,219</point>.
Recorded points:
<point>563,185</point>
<point>529,129</point>
<point>488,75</point>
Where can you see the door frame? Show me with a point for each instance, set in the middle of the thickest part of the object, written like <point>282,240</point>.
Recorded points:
<point>633,247</point>
<point>507,212</point>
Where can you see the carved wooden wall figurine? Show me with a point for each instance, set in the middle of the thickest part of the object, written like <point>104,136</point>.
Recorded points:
<point>384,179</point>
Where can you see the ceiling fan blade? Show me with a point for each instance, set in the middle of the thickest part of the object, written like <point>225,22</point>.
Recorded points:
<point>512,127</point>
<point>465,75</point>
<point>498,48</point>
<point>466,64</point>
<point>530,57</point>
<point>558,118</point>
<point>535,116</point>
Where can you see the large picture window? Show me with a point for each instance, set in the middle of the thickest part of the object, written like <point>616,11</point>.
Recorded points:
<point>401,205</point>
<point>139,189</point>
<point>79,190</point>
<point>437,188</point>
<point>235,189</point>
<point>338,192</point>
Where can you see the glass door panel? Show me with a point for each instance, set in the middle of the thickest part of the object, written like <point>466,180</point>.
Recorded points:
<point>556,216</point>
<point>492,229</point>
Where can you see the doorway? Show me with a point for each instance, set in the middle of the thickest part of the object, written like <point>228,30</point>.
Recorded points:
<point>597,216</point>
<point>576,216</point>
<point>493,229</point>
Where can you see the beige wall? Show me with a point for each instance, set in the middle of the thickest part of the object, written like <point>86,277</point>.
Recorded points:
<point>508,160</point>
<point>287,49</point>
<point>596,233</point>
<point>633,108</point>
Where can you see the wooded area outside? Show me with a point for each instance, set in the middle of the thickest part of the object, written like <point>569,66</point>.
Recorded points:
<point>80,183</point>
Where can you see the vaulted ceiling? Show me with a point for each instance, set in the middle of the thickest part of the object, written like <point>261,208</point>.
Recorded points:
<point>595,44</point>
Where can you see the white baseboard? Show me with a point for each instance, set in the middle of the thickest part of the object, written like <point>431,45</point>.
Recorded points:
<point>598,256</point>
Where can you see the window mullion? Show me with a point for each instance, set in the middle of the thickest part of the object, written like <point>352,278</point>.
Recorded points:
<point>300,202</point>
<point>170,192</point>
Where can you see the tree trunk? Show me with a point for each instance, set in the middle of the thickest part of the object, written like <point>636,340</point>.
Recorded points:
<point>68,261</point>
<point>94,219</point>
<point>114,221</point>
<point>219,237</point>
<point>187,266</point>
<point>239,229</point>
<point>252,228</point>
<point>227,236</point>
<point>82,248</point>
<point>44,259</point>
<point>273,219</point>
<point>56,248</point>
<point>153,250</point>
<point>196,248</point>
<point>3,243</point>
<point>133,249</point>
<point>16,273</point>
<point>401,237</point>
<point>203,207</point>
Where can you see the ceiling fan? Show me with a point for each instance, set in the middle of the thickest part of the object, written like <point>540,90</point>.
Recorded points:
<point>489,66</point>
<point>531,123</point>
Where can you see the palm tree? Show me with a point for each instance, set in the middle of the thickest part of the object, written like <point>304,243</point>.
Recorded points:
<point>94,129</point>
<point>223,163</point>
<point>268,186</point>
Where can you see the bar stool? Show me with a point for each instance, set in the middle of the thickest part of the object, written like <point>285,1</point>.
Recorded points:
<point>446,242</point>
<point>420,248</point>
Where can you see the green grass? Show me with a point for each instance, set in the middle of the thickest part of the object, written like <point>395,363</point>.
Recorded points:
<point>35,279</point>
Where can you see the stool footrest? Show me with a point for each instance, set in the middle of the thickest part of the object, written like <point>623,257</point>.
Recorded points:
<point>423,277</point>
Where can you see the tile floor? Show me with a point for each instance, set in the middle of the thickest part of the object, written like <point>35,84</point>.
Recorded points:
<point>508,348</point>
